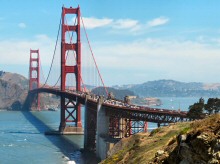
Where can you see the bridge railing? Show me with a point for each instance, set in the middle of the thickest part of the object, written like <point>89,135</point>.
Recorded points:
<point>120,103</point>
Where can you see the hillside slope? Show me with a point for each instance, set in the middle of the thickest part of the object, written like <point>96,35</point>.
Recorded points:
<point>189,143</point>
<point>14,78</point>
<point>13,89</point>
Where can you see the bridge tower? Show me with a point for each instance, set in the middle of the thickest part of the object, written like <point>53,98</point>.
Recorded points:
<point>34,74</point>
<point>70,110</point>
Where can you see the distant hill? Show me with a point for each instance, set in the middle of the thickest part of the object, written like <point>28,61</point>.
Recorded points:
<point>13,89</point>
<point>171,88</point>
<point>14,78</point>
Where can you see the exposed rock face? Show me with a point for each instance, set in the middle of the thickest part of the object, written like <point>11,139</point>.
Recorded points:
<point>200,148</point>
<point>201,145</point>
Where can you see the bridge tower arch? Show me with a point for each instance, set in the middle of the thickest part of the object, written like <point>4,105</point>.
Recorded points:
<point>70,110</point>
<point>34,74</point>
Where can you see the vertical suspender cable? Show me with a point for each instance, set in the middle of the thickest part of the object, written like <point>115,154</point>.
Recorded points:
<point>94,57</point>
<point>41,70</point>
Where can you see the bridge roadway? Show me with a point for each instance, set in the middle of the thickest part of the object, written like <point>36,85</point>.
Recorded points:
<point>116,108</point>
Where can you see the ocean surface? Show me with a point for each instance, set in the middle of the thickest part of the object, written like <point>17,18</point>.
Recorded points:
<point>22,139</point>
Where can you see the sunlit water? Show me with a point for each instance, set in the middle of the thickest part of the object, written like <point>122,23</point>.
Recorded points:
<point>175,103</point>
<point>22,138</point>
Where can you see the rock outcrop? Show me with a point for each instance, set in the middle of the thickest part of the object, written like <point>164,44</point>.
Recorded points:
<point>196,142</point>
<point>200,145</point>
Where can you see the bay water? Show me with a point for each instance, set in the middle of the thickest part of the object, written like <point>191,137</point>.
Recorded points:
<point>175,103</point>
<point>22,139</point>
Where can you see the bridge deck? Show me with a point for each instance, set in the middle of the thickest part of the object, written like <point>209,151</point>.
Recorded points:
<point>119,108</point>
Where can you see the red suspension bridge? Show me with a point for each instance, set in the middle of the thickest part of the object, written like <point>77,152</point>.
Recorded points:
<point>103,115</point>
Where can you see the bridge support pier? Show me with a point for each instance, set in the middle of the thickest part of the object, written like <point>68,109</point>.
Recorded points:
<point>89,127</point>
<point>86,124</point>
<point>103,142</point>
<point>102,130</point>
<point>69,117</point>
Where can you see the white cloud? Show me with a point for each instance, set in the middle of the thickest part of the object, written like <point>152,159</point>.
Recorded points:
<point>116,25</point>
<point>125,23</point>
<point>22,25</point>
<point>16,59</point>
<point>19,54</point>
<point>162,59</point>
<point>129,25</point>
<point>131,62</point>
<point>158,21</point>
<point>91,22</point>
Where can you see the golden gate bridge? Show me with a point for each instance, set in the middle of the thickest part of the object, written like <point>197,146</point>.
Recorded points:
<point>104,116</point>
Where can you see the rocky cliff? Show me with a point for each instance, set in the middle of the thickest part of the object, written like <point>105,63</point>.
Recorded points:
<point>196,142</point>
<point>199,144</point>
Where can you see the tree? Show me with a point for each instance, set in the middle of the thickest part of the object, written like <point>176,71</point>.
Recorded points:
<point>196,110</point>
<point>213,105</point>
<point>217,106</point>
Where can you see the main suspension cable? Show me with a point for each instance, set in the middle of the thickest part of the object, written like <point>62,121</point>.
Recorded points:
<point>54,51</point>
<point>94,57</point>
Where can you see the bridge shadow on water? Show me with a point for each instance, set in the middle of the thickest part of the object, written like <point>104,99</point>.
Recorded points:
<point>65,143</point>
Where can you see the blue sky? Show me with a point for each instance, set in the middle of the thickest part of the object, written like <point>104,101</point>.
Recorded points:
<point>133,41</point>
